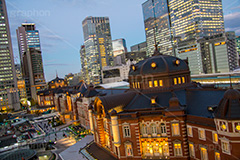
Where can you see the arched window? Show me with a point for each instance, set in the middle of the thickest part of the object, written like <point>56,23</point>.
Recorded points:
<point>163,128</point>
<point>154,129</point>
<point>144,129</point>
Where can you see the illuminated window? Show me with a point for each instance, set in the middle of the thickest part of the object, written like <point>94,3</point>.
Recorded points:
<point>150,84</point>
<point>177,62</point>
<point>217,156</point>
<point>238,127</point>
<point>183,79</point>
<point>128,149</point>
<point>126,131</point>
<point>201,134</point>
<point>189,131</point>
<point>204,154</point>
<point>155,83</point>
<point>175,81</point>
<point>175,129</point>
<point>138,84</point>
<point>191,150</point>
<point>215,137</point>
<point>133,67</point>
<point>178,149</point>
<point>153,65</point>
<point>224,127</point>
<point>179,80</point>
<point>133,85</point>
<point>153,100</point>
<point>160,83</point>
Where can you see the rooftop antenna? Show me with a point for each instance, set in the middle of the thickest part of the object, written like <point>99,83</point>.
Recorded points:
<point>56,74</point>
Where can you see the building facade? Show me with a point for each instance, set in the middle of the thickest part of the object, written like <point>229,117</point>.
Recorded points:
<point>166,116</point>
<point>98,46</point>
<point>31,59</point>
<point>84,64</point>
<point>119,46</point>
<point>196,19</point>
<point>157,26</point>
<point>142,47</point>
<point>169,21</point>
<point>8,82</point>
<point>20,82</point>
<point>212,54</point>
<point>116,73</point>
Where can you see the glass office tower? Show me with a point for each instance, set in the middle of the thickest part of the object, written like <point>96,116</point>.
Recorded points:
<point>157,26</point>
<point>98,46</point>
<point>31,59</point>
<point>168,21</point>
<point>193,19</point>
<point>9,98</point>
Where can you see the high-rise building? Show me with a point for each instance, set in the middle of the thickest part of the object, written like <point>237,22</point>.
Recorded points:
<point>98,46</point>
<point>238,44</point>
<point>31,59</point>
<point>212,54</point>
<point>9,98</point>
<point>119,46</point>
<point>119,50</point>
<point>84,64</point>
<point>20,82</point>
<point>170,21</point>
<point>195,19</point>
<point>157,26</point>
<point>139,47</point>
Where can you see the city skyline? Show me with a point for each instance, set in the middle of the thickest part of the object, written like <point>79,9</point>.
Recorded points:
<point>60,45</point>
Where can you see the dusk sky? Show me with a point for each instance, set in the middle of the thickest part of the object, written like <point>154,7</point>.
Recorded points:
<point>60,25</point>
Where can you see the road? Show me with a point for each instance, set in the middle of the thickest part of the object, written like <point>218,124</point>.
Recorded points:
<point>63,144</point>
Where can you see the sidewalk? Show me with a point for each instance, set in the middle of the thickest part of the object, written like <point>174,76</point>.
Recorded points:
<point>72,153</point>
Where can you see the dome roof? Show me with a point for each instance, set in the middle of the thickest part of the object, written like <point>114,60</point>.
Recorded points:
<point>158,64</point>
<point>57,79</point>
<point>229,107</point>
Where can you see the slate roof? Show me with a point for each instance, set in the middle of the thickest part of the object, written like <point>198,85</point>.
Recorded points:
<point>56,80</point>
<point>165,64</point>
<point>229,107</point>
<point>91,93</point>
<point>199,100</point>
<point>112,101</point>
<point>195,101</point>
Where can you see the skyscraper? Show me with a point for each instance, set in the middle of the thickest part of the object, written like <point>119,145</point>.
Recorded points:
<point>157,26</point>
<point>119,50</point>
<point>168,21</point>
<point>119,46</point>
<point>98,46</point>
<point>9,98</point>
<point>196,19</point>
<point>31,59</point>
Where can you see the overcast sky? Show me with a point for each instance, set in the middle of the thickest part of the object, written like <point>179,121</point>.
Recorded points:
<point>60,25</point>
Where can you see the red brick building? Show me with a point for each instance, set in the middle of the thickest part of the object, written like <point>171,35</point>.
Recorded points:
<point>165,116</point>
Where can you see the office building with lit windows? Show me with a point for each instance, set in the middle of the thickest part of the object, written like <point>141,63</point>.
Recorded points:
<point>169,21</point>
<point>98,46</point>
<point>31,59</point>
<point>196,19</point>
<point>166,116</point>
<point>211,54</point>
<point>9,98</point>
<point>157,26</point>
<point>140,47</point>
